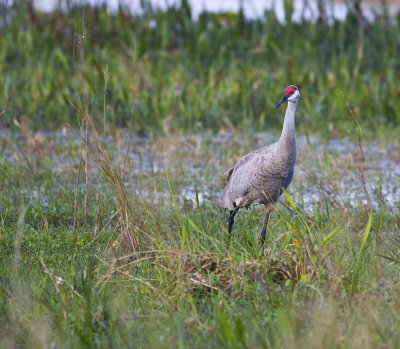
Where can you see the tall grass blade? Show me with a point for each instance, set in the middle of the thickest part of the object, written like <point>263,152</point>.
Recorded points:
<point>357,265</point>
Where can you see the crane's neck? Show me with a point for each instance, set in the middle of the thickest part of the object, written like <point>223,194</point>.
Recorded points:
<point>288,135</point>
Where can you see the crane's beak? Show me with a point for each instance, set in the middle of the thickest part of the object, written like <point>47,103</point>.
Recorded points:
<point>284,99</point>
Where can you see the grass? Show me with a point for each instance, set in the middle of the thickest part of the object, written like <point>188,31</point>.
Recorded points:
<point>329,277</point>
<point>222,71</point>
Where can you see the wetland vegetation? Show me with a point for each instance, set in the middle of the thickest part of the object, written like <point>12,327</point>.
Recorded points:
<point>116,130</point>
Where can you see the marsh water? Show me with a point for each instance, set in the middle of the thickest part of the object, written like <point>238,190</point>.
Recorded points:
<point>191,168</point>
<point>252,8</point>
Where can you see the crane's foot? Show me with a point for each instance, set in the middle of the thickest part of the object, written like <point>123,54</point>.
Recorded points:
<point>231,220</point>
<point>262,240</point>
<point>264,231</point>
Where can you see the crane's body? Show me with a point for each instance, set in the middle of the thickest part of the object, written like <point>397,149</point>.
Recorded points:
<point>258,177</point>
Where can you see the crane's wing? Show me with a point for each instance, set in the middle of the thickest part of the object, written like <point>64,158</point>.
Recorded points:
<point>239,178</point>
<point>228,174</point>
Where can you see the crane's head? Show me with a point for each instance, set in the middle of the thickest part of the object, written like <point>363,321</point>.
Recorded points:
<point>291,94</point>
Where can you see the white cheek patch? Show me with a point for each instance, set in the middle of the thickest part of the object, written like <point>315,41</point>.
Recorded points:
<point>294,97</point>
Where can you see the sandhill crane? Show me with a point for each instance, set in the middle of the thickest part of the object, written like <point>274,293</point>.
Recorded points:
<point>258,177</point>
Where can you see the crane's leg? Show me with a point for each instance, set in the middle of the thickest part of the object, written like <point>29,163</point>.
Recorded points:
<point>231,220</point>
<point>264,229</point>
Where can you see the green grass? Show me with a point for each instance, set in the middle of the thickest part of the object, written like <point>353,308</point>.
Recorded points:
<point>186,289</point>
<point>329,279</point>
<point>181,76</point>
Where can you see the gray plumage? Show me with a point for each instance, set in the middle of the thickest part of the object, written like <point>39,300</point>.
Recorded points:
<point>258,177</point>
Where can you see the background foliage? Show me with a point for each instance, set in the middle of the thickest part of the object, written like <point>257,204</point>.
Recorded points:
<point>165,70</point>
